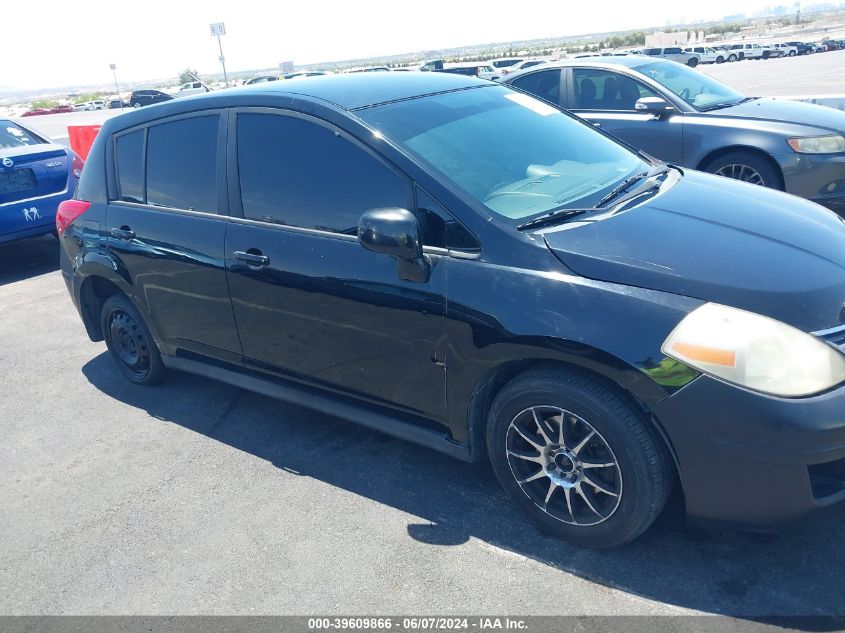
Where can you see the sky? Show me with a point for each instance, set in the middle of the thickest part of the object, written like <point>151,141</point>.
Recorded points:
<point>53,43</point>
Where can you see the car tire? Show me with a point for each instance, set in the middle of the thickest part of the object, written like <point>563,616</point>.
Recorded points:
<point>577,493</point>
<point>740,165</point>
<point>136,105</point>
<point>792,53</point>
<point>692,62</point>
<point>720,60</point>
<point>130,342</point>
<point>731,57</point>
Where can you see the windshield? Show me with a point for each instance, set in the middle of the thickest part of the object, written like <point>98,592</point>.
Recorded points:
<point>697,89</point>
<point>12,135</point>
<point>513,153</point>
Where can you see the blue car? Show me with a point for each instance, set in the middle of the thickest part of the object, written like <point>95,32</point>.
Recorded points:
<point>35,176</point>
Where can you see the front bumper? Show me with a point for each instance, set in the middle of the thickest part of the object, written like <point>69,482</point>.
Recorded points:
<point>751,460</point>
<point>817,177</point>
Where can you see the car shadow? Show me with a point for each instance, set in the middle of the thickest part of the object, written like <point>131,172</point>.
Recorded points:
<point>753,576</point>
<point>28,258</point>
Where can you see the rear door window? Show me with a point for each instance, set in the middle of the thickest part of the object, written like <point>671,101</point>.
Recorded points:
<point>300,173</point>
<point>544,84</point>
<point>605,90</point>
<point>182,164</point>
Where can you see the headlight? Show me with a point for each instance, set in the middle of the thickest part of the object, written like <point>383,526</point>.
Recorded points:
<point>755,352</point>
<point>827,144</point>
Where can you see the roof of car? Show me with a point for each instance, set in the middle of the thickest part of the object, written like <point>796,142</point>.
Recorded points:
<point>358,90</point>
<point>629,61</point>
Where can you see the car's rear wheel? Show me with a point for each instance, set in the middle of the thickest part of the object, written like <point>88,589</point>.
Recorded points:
<point>731,57</point>
<point>130,342</point>
<point>745,166</point>
<point>562,444</point>
<point>720,60</point>
<point>136,105</point>
<point>792,53</point>
<point>692,62</point>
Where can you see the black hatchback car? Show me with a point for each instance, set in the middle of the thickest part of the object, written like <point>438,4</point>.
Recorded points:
<point>462,265</point>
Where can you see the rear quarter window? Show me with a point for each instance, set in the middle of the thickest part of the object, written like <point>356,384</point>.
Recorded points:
<point>129,157</point>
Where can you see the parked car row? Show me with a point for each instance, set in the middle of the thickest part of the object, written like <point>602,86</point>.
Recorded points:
<point>718,54</point>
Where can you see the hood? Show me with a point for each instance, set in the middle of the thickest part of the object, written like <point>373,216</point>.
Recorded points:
<point>783,110</point>
<point>719,240</point>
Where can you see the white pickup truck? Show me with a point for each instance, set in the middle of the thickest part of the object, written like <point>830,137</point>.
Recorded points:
<point>192,88</point>
<point>707,55</point>
<point>752,51</point>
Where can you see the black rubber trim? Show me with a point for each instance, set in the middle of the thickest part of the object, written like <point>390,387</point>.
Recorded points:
<point>362,416</point>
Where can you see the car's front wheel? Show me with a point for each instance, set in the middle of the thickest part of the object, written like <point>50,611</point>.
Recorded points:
<point>745,166</point>
<point>692,62</point>
<point>731,57</point>
<point>577,457</point>
<point>720,60</point>
<point>130,342</point>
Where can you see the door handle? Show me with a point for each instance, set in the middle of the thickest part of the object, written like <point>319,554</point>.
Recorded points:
<point>253,257</point>
<point>123,233</point>
<point>596,124</point>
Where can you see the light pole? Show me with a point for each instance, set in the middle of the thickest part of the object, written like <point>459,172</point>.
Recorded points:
<point>218,29</point>
<point>116,86</point>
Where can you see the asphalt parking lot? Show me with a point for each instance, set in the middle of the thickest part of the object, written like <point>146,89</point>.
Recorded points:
<point>805,75</point>
<point>198,498</point>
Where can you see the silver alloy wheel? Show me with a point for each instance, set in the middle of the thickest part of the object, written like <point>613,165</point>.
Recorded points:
<point>738,171</point>
<point>564,465</point>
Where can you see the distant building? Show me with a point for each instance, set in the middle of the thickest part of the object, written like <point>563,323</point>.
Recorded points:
<point>674,38</point>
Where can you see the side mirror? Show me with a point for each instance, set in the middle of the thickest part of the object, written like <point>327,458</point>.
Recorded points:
<point>395,232</point>
<point>653,105</point>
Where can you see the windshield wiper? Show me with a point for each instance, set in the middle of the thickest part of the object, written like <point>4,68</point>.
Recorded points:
<point>558,215</point>
<point>618,189</point>
<point>726,104</point>
<point>550,218</point>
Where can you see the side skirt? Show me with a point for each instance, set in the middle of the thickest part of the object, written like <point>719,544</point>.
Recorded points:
<point>389,425</point>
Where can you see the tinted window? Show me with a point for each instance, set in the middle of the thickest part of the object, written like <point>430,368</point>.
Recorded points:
<point>299,173</point>
<point>544,84</point>
<point>129,151</point>
<point>182,164</point>
<point>605,90</point>
<point>672,51</point>
<point>652,51</point>
<point>438,227</point>
<point>530,64</point>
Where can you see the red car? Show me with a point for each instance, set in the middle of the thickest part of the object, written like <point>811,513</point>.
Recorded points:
<point>62,109</point>
<point>37,112</point>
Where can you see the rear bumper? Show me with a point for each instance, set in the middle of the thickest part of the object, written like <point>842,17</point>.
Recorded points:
<point>755,461</point>
<point>31,217</point>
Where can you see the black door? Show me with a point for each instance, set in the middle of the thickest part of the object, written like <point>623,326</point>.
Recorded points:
<point>310,302</point>
<point>607,99</point>
<point>165,231</point>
